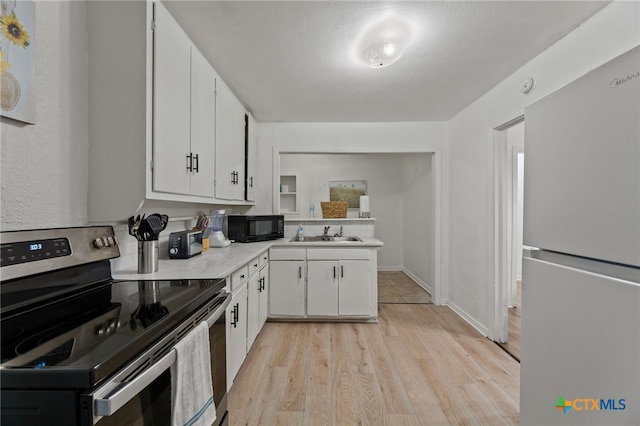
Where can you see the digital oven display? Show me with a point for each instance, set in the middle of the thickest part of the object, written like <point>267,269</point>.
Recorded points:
<point>30,251</point>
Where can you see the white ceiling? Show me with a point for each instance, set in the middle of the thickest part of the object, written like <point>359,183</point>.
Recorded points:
<point>291,61</point>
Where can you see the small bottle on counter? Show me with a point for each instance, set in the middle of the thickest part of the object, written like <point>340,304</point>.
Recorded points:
<point>301,233</point>
<point>312,210</point>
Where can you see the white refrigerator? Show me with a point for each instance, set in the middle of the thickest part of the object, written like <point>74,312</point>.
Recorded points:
<point>580,353</point>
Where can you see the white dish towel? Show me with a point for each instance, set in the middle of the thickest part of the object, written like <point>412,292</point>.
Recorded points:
<point>191,388</point>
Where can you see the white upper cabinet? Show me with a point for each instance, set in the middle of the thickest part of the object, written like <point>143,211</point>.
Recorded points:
<point>153,116</point>
<point>203,124</point>
<point>172,159</point>
<point>230,145</point>
<point>183,112</point>
<point>252,152</point>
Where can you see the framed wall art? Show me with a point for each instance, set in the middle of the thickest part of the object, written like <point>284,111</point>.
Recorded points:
<point>17,60</point>
<point>347,190</point>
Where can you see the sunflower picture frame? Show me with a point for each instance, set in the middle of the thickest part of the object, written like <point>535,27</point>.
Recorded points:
<point>17,60</point>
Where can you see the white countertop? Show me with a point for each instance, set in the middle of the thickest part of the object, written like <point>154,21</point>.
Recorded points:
<point>222,262</point>
<point>213,263</point>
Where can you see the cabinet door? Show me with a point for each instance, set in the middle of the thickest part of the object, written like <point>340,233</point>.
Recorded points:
<point>224,150</point>
<point>229,145</point>
<point>236,316</point>
<point>353,293</point>
<point>171,105</point>
<point>286,288</point>
<point>203,124</point>
<point>252,152</point>
<point>239,150</point>
<point>322,287</point>
<point>264,297</point>
<point>253,309</point>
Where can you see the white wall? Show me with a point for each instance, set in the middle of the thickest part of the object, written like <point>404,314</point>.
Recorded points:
<point>45,166</point>
<point>418,218</point>
<point>341,138</point>
<point>414,137</point>
<point>609,33</point>
<point>396,184</point>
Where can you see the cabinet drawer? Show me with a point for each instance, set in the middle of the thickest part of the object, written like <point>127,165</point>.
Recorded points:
<point>238,277</point>
<point>338,254</point>
<point>288,254</point>
<point>254,265</point>
<point>263,259</point>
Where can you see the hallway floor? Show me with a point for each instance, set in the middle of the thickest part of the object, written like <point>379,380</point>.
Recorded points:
<point>397,287</point>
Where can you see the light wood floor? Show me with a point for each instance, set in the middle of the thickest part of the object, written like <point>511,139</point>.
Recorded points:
<point>420,365</point>
<point>513,344</point>
<point>397,287</point>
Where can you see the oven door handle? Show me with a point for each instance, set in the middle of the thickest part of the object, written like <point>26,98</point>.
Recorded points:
<point>113,395</point>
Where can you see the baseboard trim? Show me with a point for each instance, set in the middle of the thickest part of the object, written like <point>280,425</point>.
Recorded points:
<point>408,273</point>
<point>418,281</point>
<point>468,318</point>
<point>391,269</point>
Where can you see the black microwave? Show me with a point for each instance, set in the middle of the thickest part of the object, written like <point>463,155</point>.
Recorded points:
<point>248,229</point>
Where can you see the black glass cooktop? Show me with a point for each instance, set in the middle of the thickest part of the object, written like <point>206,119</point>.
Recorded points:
<point>81,338</point>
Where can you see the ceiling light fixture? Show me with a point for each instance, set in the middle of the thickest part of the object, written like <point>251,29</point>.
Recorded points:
<point>381,54</point>
<point>382,42</point>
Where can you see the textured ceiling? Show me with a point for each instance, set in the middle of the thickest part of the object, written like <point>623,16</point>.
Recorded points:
<point>292,61</point>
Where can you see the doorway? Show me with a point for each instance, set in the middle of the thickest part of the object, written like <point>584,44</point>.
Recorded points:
<point>433,255</point>
<point>509,185</point>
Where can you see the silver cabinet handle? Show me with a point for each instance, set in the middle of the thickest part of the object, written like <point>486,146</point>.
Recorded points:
<point>334,272</point>
<point>300,272</point>
<point>341,271</point>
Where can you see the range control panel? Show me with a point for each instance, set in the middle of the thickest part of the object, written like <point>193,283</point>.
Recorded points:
<point>36,251</point>
<point>30,251</point>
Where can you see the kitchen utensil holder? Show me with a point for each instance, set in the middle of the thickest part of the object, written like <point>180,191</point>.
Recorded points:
<point>148,255</point>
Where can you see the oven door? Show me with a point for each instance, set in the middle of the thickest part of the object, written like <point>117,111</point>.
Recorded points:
<point>141,394</point>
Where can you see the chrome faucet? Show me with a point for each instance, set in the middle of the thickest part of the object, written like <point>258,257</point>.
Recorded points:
<point>339,234</point>
<point>326,231</point>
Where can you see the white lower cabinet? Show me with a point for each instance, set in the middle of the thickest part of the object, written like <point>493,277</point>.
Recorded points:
<point>263,312</point>
<point>353,290</point>
<point>322,287</point>
<point>336,288</point>
<point>236,319</point>
<point>247,312</point>
<point>323,283</point>
<point>253,308</point>
<point>286,293</point>
<point>257,299</point>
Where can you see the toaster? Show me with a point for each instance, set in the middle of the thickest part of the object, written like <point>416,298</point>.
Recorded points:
<point>185,244</point>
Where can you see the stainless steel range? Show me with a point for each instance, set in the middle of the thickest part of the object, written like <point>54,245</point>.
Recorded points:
<point>79,348</point>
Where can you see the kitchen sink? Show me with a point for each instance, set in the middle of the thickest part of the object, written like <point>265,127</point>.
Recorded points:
<point>326,239</point>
